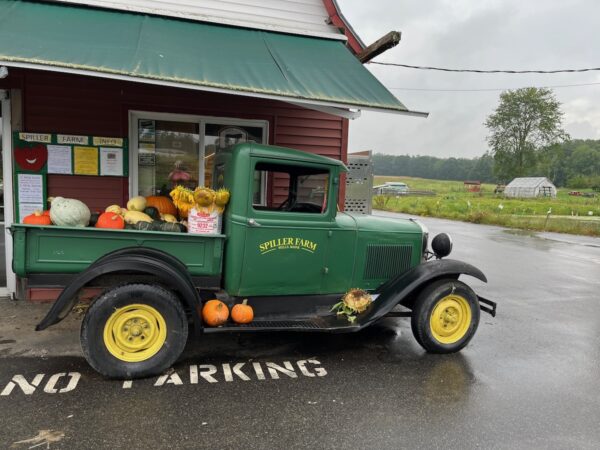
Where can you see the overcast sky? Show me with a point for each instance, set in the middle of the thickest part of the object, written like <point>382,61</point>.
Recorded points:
<point>479,34</point>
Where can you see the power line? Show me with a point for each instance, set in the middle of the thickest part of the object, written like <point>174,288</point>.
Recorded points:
<point>491,89</point>
<point>444,69</point>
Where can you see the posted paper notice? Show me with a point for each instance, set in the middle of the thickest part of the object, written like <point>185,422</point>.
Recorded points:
<point>86,160</point>
<point>59,159</point>
<point>111,161</point>
<point>30,188</point>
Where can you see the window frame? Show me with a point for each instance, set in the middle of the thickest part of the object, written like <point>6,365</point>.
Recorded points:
<point>136,115</point>
<point>273,213</point>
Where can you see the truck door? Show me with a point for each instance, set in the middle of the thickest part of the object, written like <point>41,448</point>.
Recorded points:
<point>287,233</point>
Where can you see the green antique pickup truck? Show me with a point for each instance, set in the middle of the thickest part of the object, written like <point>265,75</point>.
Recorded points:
<point>292,254</point>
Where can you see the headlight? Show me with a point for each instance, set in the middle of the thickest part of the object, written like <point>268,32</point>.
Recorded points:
<point>441,245</point>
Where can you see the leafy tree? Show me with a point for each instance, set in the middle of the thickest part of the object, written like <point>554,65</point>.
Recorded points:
<point>525,121</point>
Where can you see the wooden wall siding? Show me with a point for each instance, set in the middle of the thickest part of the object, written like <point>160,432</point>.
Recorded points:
<point>72,104</point>
<point>96,192</point>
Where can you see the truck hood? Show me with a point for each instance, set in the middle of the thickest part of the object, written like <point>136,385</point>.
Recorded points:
<point>376,223</point>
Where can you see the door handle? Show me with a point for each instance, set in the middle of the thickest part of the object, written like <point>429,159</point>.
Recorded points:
<point>253,223</point>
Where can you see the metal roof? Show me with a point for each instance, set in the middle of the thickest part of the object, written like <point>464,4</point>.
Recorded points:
<point>527,182</point>
<point>304,17</point>
<point>314,72</point>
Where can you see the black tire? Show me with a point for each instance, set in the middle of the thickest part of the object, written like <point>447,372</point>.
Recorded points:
<point>429,298</point>
<point>106,305</point>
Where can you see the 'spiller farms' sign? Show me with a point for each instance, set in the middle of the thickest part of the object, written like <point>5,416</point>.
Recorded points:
<point>288,243</point>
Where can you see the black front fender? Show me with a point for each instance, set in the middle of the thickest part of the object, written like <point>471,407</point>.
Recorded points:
<point>400,289</point>
<point>166,271</point>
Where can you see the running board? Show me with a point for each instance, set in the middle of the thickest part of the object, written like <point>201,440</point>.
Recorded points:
<point>327,323</point>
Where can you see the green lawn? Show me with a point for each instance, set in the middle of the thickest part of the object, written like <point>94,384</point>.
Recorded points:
<point>565,214</point>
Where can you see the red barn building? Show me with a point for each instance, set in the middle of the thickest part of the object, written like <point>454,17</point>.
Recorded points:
<point>157,87</point>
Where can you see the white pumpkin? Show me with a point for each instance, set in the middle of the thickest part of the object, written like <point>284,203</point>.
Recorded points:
<point>69,212</point>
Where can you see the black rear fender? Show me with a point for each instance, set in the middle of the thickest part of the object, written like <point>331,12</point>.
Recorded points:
<point>403,288</point>
<point>164,268</point>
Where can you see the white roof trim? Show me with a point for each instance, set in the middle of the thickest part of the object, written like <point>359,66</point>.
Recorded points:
<point>307,103</point>
<point>302,17</point>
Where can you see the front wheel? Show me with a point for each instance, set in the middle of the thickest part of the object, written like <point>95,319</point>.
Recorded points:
<point>445,316</point>
<point>133,331</point>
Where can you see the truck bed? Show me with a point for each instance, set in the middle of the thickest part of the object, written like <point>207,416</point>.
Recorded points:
<point>67,250</point>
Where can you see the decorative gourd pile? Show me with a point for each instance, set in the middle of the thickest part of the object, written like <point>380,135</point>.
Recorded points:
<point>153,213</point>
<point>215,313</point>
<point>203,199</point>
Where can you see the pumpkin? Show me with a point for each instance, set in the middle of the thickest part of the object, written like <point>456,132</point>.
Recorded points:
<point>37,218</point>
<point>152,212</point>
<point>162,203</point>
<point>215,313</point>
<point>136,216</point>
<point>136,203</point>
<point>69,212</point>
<point>110,220</point>
<point>46,213</point>
<point>242,312</point>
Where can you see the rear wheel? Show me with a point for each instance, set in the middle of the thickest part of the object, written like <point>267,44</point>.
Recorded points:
<point>133,331</point>
<point>445,316</point>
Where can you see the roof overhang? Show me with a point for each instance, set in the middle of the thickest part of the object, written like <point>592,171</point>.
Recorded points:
<point>313,72</point>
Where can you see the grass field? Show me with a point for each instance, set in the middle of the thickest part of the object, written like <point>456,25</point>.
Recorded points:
<point>563,214</point>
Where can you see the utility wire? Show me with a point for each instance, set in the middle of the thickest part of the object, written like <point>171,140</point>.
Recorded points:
<point>444,69</point>
<point>491,89</point>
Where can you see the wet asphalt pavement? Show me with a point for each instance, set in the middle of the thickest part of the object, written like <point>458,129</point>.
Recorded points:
<point>529,379</point>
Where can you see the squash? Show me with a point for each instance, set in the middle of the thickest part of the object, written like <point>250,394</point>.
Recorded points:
<point>168,218</point>
<point>37,218</point>
<point>215,313</point>
<point>162,203</point>
<point>94,219</point>
<point>114,209</point>
<point>136,216</point>
<point>110,220</point>
<point>242,312</point>
<point>152,212</point>
<point>69,212</point>
<point>167,227</point>
<point>136,203</point>
<point>141,226</point>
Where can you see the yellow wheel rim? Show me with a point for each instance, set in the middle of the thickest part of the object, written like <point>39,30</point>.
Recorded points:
<point>450,319</point>
<point>135,333</point>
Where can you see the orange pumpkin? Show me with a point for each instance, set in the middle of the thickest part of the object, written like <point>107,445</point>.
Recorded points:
<point>110,220</point>
<point>242,312</point>
<point>215,313</point>
<point>37,218</point>
<point>162,203</point>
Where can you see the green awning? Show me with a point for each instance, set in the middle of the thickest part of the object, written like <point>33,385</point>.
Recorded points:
<point>188,54</point>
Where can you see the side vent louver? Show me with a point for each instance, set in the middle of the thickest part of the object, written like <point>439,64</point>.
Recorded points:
<point>386,261</point>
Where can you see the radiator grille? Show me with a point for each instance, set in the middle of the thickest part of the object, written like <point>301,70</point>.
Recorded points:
<point>385,261</point>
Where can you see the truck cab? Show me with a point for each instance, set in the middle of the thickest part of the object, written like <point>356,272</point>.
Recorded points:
<point>291,255</point>
<point>296,241</point>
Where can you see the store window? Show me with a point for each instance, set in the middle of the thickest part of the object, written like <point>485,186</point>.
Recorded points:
<point>180,150</point>
<point>295,189</point>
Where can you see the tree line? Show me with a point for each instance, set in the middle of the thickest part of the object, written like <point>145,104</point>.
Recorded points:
<point>526,138</point>
<point>574,164</point>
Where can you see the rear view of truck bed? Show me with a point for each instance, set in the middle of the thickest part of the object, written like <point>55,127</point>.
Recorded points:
<point>67,250</point>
